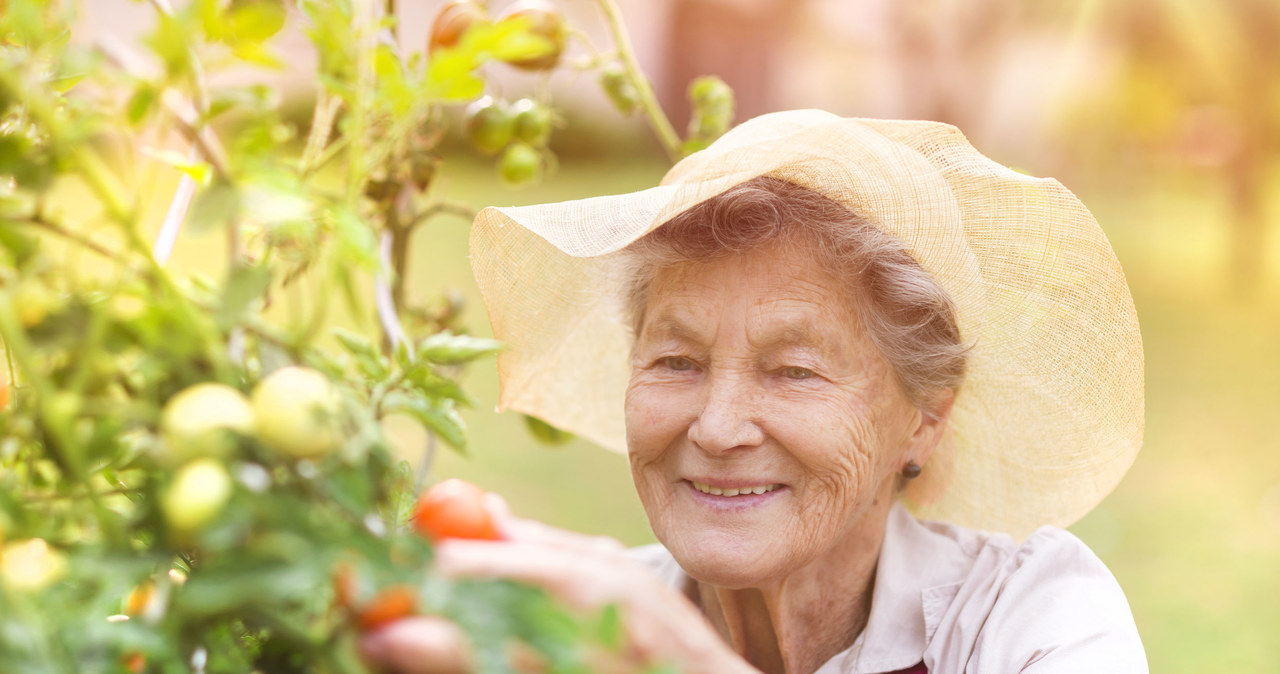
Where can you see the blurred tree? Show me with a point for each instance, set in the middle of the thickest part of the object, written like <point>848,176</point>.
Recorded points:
<point>1197,85</point>
<point>740,40</point>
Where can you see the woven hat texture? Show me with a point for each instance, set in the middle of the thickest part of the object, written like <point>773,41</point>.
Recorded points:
<point>1051,412</point>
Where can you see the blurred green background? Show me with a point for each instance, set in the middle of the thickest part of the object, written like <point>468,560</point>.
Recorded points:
<point>1162,115</point>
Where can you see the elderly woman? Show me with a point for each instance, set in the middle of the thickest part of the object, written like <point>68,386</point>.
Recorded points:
<point>838,353</point>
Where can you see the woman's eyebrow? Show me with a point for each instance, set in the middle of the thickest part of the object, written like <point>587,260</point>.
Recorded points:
<point>671,327</point>
<point>803,334</point>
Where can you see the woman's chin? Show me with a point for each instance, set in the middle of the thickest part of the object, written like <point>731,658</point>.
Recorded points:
<point>724,561</point>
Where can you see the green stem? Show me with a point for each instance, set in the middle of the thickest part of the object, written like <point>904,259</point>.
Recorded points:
<point>330,152</point>
<point>648,100</point>
<point>55,228</point>
<point>103,184</point>
<point>38,497</point>
<point>318,148</point>
<point>458,208</point>
<point>13,373</point>
<point>366,40</point>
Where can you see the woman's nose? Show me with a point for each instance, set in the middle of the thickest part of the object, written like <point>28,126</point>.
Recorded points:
<point>728,418</point>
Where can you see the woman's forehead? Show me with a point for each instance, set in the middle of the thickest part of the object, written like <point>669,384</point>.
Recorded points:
<point>781,294</point>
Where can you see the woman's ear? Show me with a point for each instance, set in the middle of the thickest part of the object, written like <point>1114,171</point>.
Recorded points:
<point>930,425</point>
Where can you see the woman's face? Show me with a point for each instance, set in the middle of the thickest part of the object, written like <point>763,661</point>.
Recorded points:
<point>762,423</point>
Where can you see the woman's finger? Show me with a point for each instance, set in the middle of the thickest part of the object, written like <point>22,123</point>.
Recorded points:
<point>533,531</point>
<point>584,579</point>
<point>519,529</point>
<point>422,645</point>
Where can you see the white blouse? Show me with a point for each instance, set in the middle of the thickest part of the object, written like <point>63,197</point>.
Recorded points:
<point>960,600</point>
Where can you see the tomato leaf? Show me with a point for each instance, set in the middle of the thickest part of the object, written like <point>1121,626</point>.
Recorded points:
<point>446,348</point>
<point>244,286</point>
<point>440,416</point>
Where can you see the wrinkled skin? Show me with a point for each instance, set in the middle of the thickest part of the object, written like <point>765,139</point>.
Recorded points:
<point>753,369</point>
<point>750,370</point>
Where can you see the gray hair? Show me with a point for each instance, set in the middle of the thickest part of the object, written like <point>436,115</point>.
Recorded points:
<point>908,316</point>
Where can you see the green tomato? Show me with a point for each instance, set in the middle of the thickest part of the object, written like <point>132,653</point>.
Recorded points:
<point>298,413</point>
<point>199,420</point>
<point>521,164</point>
<point>533,121</point>
<point>490,125</point>
<point>31,565</point>
<point>617,86</point>
<point>200,490</point>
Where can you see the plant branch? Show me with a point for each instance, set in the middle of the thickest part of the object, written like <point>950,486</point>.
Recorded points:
<point>458,208</point>
<point>13,373</point>
<point>382,295</point>
<point>327,155</point>
<point>54,228</point>
<point>174,216</point>
<point>189,125</point>
<point>119,491</point>
<point>648,101</point>
<point>317,150</point>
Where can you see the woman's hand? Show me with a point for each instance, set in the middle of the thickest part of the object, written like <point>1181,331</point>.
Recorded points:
<point>661,625</point>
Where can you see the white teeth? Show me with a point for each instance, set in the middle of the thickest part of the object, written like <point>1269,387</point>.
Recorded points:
<point>717,491</point>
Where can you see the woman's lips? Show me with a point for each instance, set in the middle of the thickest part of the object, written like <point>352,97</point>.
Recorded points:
<point>744,489</point>
<point>736,495</point>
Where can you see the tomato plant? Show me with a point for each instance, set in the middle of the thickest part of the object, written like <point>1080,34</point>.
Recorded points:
<point>193,473</point>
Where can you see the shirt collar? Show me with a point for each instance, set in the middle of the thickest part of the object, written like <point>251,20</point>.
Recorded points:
<point>917,576</point>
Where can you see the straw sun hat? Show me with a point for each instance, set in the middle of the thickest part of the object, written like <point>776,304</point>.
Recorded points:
<point>1051,412</point>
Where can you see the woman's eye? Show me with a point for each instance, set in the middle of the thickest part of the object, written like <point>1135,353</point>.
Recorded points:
<point>794,372</point>
<point>678,363</point>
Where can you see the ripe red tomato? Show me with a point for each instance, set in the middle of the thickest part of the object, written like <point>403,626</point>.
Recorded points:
<point>454,509</point>
<point>390,605</point>
<point>134,662</point>
<point>453,20</point>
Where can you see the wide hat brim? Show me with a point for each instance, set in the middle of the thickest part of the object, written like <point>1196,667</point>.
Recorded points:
<point>1051,412</point>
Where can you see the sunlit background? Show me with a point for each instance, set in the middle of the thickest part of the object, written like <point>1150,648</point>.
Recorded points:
<point>1162,115</point>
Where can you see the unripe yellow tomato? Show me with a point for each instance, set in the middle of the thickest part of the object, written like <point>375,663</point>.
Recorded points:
<point>546,22</point>
<point>200,490</point>
<point>198,420</point>
<point>34,302</point>
<point>31,565</point>
<point>298,413</point>
<point>139,598</point>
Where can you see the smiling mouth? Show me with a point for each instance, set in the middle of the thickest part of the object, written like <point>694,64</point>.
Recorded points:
<point>741,491</point>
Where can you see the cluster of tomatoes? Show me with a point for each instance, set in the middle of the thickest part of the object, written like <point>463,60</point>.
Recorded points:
<point>450,509</point>
<point>518,130</point>
<point>294,411</point>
